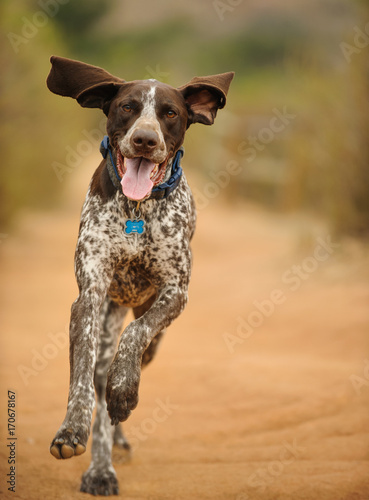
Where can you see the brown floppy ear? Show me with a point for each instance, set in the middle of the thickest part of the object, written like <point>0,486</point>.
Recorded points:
<point>205,95</point>
<point>93,87</point>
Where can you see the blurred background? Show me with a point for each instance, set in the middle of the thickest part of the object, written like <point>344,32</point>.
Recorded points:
<point>296,122</point>
<point>271,353</point>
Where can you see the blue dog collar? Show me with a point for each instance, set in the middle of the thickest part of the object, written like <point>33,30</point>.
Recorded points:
<point>159,192</point>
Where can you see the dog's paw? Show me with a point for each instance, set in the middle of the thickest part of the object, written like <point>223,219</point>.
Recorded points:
<point>121,400</point>
<point>100,482</point>
<point>121,393</point>
<point>68,442</point>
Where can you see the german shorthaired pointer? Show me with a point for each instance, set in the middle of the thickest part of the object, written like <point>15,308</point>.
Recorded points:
<point>133,249</point>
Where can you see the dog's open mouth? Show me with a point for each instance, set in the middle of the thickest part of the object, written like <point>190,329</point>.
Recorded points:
<point>139,175</point>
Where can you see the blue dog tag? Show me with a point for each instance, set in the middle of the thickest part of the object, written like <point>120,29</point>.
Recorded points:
<point>134,226</point>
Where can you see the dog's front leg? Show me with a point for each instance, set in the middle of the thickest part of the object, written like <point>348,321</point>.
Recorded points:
<point>93,277</point>
<point>125,371</point>
<point>71,438</point>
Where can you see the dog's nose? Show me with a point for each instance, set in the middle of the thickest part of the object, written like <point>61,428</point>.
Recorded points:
<point>145,140</point>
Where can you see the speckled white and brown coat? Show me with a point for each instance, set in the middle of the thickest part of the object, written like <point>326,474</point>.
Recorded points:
<point>148,272</point>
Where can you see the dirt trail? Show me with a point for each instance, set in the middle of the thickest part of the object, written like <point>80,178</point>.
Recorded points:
<point>245,401</point>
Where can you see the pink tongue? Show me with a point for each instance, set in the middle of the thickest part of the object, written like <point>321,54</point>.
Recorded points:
<point>136,182</point>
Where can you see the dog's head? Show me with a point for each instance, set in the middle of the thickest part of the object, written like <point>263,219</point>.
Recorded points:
<point>147,119</point>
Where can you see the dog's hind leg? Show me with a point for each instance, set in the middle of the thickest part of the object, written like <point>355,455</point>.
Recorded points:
<point>100,478</point>
<point>123,447</point>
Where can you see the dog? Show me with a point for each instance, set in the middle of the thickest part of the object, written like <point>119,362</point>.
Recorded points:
<point>133,249</point>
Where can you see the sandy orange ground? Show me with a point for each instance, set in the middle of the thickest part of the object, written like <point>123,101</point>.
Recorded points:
<point>282,413</point>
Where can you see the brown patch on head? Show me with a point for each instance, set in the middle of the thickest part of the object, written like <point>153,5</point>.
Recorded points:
<point>172,114</point>
<point>147,119</point>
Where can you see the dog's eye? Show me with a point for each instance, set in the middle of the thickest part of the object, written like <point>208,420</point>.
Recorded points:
<point>127,108</point>
<point>171,114</point>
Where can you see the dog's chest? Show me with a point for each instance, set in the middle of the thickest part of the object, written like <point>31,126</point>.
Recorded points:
<point>142,262</point>
<point>130,285</point>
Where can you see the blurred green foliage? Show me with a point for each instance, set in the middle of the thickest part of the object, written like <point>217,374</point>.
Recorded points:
<point>77,18</point>
<point>32,122</point>
<point>285,59</point>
